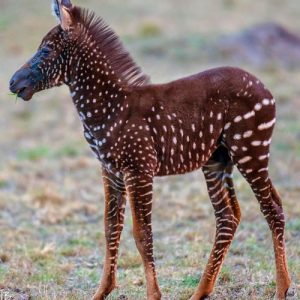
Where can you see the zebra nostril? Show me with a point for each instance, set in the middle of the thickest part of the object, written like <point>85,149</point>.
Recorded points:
<point>12,81</point>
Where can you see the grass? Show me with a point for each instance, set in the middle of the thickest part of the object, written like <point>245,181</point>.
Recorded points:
<point>34,153</point>
<point>51,195</point>
<point>14,95</point>
<point>40,152</point>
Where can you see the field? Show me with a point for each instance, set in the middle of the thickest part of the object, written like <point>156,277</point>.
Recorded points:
<point>51,194</point>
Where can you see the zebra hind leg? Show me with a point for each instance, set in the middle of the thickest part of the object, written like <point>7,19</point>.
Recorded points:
<point>218,175</point>
<point>271,207</point>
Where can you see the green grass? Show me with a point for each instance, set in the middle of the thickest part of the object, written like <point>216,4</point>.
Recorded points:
<point>41,152</point>
<point>34,154</point>
<point>149,30</point>
<point>81,242</point>
<point>87,277</point>
<point>190,281</point>
<point>3,184</point>
<point>47,276</point>
<point>3,272</point>
<point>294,226</point>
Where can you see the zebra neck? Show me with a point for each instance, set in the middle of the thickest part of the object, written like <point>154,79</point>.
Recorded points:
<point>101,107</point>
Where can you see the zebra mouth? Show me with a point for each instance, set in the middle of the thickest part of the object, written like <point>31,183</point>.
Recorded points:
<point>21,85</point>
<point>25,93</point>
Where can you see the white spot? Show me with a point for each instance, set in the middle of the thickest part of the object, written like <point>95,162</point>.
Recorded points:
<point>257,106</point>
<point>266,143</point>
<point>256,143</point>
<point>87,135</point>
<point>247,134</point>
<point>249,115</point>
<point>227,126</point>
<point>82,116</point>
<point>244,159</point>
<point>264,126</point>
<point>262,157</point>
<point>237,119</point>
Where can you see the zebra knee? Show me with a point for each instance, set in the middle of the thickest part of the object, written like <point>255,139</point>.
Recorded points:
<point>226,227</point>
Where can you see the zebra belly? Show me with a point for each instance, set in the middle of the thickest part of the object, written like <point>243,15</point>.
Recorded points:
<point>183,159</point>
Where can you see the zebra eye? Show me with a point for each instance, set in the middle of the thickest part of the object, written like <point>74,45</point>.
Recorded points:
<point>46,50</point>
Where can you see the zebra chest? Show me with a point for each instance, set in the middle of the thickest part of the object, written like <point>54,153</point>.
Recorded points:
<point>130,149</point>
<point>100,149</point>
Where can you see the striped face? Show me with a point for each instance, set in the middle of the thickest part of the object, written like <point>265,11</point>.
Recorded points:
<point>46,69</point>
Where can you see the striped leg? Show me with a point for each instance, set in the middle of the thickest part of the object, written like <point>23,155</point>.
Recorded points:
<point>218,175</point>
<point>271,207</point>
<point>139,188</point>
<point>277,226</point>
<point>115,201</point>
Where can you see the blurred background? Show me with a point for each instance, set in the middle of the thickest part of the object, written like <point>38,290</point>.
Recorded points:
<point>51,196</point>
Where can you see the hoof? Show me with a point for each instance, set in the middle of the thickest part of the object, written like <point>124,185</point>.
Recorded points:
<point>156,296</point>
<point>196,297</point>
<point>291,293</point>
<point>101,295</point>
<point>103,292</point>
<point>98,297</point>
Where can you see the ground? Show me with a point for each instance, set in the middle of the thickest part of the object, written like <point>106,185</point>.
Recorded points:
<point>51,194</point>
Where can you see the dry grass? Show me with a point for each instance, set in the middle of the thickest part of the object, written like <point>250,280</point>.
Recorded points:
<point>51,197</point>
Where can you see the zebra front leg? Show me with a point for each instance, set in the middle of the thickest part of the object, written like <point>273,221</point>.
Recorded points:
<point>220,187</point>
<point>115,201</point>
<point>139,189</point>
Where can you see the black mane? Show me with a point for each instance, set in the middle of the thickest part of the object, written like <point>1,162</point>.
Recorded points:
<point>106,39</point>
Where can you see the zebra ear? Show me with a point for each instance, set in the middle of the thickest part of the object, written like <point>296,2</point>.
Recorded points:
<point>62,10</point>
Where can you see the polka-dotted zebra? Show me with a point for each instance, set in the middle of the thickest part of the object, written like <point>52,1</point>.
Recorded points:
<point>212,120</point>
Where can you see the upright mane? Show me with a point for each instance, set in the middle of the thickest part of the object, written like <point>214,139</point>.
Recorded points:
<point>111,47</point>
